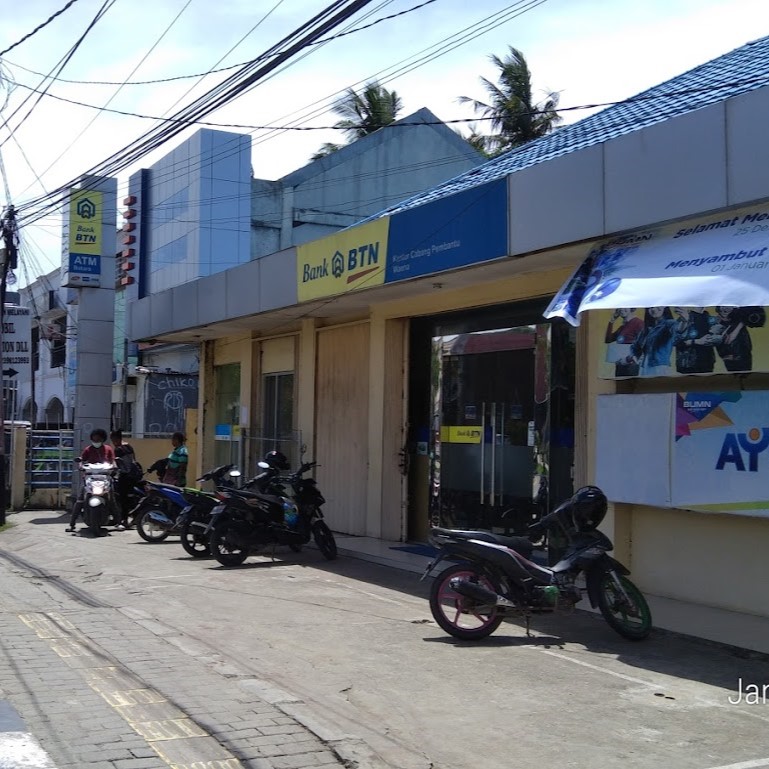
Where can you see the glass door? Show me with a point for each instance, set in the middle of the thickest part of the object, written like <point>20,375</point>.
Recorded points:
<point>492,427</point>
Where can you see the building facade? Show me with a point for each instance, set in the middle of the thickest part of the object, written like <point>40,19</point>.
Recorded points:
<point>422,374</point>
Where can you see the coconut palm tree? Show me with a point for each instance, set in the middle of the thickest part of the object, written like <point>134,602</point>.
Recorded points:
<point>514,115</point>
<point>363,113</point>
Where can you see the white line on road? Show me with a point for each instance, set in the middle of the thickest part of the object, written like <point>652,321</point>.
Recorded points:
<point>745,764</point>
<point>599,669</point>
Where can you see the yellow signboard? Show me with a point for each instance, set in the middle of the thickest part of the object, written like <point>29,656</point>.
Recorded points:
<point>346,261</point>
<point>85,214</point>
<point>461,434</point>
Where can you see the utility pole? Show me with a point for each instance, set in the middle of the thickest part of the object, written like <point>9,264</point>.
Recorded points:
<point>8,261</point>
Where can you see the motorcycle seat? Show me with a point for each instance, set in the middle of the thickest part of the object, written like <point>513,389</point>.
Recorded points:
<point>521,545</point>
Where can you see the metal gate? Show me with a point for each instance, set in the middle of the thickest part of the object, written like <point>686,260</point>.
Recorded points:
<point>50,458</point>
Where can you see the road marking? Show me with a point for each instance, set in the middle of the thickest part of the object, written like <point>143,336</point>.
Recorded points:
<point>599,669</point>
<point>745,764</point>
<point>177,739</point>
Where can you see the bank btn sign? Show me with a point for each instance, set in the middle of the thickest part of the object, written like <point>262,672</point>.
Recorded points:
<point>348,260</point>
<point>83,239</point>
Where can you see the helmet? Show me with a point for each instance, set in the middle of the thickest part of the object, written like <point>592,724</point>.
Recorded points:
<point>276,460</point>
<point>588,508</point>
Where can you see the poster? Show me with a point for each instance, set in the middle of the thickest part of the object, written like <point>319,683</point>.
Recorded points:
<point>720,458</point>
<point>682,341</point>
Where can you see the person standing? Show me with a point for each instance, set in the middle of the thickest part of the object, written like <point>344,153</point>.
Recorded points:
<point>97,451</point>
<point>125,457</point>
<point>176,469</point>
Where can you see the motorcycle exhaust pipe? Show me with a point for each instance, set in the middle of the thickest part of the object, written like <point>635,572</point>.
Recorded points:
<point>479,593</point>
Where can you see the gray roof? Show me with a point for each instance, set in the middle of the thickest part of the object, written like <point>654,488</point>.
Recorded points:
<point>744,69</point>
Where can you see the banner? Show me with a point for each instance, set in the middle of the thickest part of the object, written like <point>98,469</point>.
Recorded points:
<point>83,239</point>
<point>717,260</point>
<point>461,229</point>
<point>681,341</point>
<point>345,261</point>
<point>720,460</point>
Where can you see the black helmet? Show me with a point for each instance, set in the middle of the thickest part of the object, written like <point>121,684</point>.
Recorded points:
<point>276,460</point>
<point>588,508</point>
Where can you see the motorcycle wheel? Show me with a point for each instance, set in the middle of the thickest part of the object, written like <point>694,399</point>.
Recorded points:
<point>454,613</point>
<point>633,622</point>
<point>194,541</point>
<point>148,530</point>
<point>324,539</point>
<point>227,554</point>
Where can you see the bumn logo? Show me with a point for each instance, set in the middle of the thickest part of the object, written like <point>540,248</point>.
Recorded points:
<point>86,208</point>
<point>337,264</point>
<point>752,443</point>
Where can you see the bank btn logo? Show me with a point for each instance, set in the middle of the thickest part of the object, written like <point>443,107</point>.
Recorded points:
<point>86,208</point>
<point>346,261</point>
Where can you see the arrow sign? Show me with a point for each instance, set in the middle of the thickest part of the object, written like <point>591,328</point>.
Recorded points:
<point>9,372</point>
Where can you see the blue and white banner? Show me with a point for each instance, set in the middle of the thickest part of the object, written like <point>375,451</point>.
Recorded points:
<point>718,260</point>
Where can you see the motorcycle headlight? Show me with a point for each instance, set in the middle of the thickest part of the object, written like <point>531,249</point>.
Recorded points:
<point>94,501</point>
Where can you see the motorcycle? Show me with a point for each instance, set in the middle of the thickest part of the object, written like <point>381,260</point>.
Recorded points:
<point>245,521</point>
<point>99,506</point>
<point>495,579</point>
<point>155,515</point>
<point>193,519</point>
<point>309,523</point>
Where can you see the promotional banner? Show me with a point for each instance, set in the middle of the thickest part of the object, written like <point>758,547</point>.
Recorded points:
<point>719,260</point>
<point>83,239</point>
<point>345,261</point>
<point>462,229</point>
<point>720,461</point>
<point>681,341</point>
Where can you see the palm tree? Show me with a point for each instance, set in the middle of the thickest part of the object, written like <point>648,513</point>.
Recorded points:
<point>363,113</point>
<point>514,115</point>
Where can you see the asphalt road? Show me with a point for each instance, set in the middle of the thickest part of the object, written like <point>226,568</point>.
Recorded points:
<point>350,649</point>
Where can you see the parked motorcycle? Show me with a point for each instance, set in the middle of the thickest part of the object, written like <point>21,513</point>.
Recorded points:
<point>99,506</point>
<point>495,578</point>
<point>246,521</point>
<point>193,519</point>
<point>158,510</point>
<point>309,523</point>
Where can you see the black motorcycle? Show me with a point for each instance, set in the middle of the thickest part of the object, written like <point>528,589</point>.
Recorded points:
<point>310,523</point>
<point>495,579</point>
<point>246,521</point>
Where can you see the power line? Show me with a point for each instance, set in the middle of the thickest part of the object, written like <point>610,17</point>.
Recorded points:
<point>231,66</point>
<point>119,89</point>
<point>38,28</point>
<point>58,67</point>
<point>222,94</point>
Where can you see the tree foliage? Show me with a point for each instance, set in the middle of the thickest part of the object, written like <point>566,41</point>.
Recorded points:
<point>515,118</point>
<point>363,113</point>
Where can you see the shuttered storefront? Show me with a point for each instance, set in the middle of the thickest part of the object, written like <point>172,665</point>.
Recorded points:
<point>341,424</point>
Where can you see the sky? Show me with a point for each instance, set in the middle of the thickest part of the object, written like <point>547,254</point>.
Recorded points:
<point>589,51</point>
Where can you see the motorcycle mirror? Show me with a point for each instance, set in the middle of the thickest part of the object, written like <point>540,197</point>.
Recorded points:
<point>263,465</point>
<point>78,459</point>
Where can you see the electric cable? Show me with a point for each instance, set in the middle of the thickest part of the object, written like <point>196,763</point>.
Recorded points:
<point>489,22</point>
<point>58,68</point>
<point>323,22</point>
<point>104,107</point>
<point>38,27</point>
<point>227,68</point>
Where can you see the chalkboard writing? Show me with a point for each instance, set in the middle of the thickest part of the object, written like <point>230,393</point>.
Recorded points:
<point>167,396</point>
